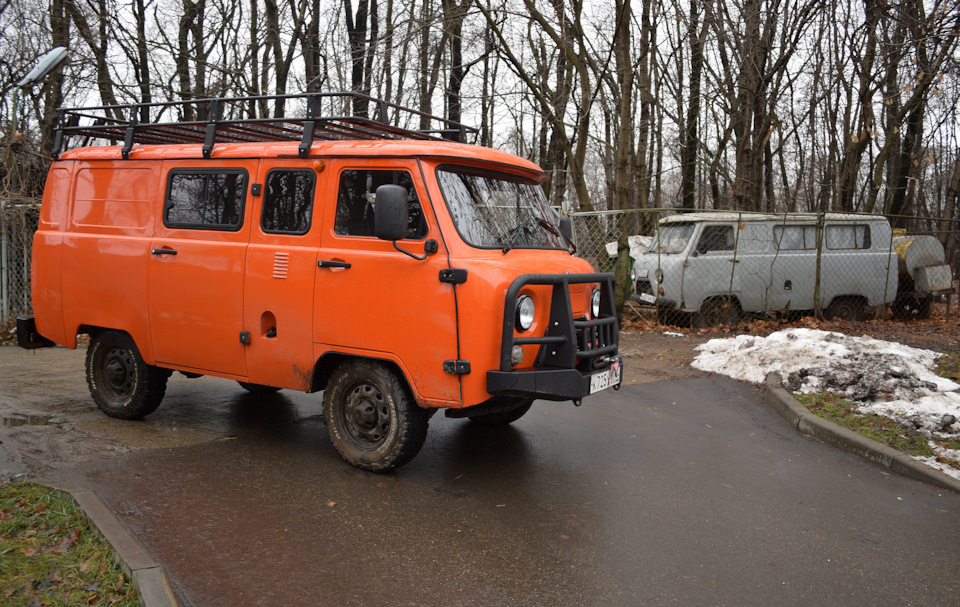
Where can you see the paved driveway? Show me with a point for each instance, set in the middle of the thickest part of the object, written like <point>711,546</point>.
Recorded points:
<point>686,492</point>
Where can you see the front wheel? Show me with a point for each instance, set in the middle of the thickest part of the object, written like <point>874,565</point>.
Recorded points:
<point>121,383</point>
<point>717,312</point>
<point>372,420</point>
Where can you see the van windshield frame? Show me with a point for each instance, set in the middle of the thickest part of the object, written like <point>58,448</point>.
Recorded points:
<point>494,210</point>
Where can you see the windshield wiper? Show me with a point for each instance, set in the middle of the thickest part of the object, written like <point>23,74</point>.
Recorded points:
<point>525,226</point>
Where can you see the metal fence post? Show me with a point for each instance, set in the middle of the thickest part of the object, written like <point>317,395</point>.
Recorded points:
<point>4,269</point>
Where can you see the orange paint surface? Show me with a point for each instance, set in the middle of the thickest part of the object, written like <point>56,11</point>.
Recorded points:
<point>250,304</point>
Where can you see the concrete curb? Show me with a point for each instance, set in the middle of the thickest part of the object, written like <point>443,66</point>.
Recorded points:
<point>801,419</point>
<point>145,573</point>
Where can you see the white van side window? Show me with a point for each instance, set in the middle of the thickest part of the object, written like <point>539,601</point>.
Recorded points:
<point>795,238</point>
<point>847,237</point>
<point>206,199</point>
<point>716,238</point>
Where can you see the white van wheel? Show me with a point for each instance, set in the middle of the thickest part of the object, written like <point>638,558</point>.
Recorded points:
<point>121,383</point>
<point>372,420</point>
<point>846,308</point>
<point>716,312</point>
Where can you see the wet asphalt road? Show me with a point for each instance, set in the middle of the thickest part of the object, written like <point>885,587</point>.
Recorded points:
<point>686,492</point>
<point>681,492</point>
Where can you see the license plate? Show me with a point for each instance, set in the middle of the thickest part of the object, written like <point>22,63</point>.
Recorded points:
<point>648,298</point>
<point>606,378</point>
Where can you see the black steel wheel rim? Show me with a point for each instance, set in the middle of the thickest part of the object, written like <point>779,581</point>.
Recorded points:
<point>366,415</point>
<point>118,373</point>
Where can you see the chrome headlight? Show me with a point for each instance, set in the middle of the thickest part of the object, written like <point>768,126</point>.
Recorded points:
<point>659,276</point>
<point>595,303</point>
<point>525,312</point>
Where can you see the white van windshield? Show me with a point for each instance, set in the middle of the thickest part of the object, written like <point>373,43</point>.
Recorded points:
<point>498,210</point>
<point>673,238</point>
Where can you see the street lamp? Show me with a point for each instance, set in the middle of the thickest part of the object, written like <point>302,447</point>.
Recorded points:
<point>47,64</point>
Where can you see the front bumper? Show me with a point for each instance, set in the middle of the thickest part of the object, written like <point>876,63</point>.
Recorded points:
<point>573,353</point>
<point>553,384</point>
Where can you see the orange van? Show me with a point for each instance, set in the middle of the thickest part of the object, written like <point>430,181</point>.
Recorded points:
<point>393,269</point>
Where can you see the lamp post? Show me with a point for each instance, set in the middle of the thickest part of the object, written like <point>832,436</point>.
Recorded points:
<point>49,62</point>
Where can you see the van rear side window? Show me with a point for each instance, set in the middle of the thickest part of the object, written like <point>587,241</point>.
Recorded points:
<point>795,238</point>
<point>288,202</point>
<point>205,199</point>
<point>847,237</point>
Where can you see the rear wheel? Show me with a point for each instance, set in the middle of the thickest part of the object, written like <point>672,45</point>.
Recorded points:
<point>846,308</point>
<point>502,418</point>
<point>372,420</point>
<point>121,383</point>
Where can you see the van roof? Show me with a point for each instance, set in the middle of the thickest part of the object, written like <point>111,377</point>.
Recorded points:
<point>731,216</point>
<point>383,148</point>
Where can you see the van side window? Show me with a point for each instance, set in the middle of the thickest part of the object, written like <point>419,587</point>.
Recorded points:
<point>715,238</point>
<point>794,238</point>
<point>205,199</point>
<point>847,237</point>
<point>355,202</point>
<point>288,201</point>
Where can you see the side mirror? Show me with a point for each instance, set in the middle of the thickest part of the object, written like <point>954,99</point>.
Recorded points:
<point>390,215</point>
<point>566,227</point>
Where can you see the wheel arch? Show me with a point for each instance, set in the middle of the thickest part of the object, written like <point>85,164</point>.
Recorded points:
<point>709,299</point>
<point>850,297</point>
<point>329,361</point>
<point>144,345</point>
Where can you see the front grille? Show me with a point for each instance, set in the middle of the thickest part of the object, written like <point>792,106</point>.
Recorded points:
<point>595,338</point>
<point>643,286</point>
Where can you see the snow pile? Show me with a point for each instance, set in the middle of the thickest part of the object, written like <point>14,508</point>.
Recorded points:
<point>881,377</point>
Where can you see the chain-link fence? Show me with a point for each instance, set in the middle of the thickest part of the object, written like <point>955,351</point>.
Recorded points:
<point>18,222</point>
<point>709,268</point>
<point>705,268</point>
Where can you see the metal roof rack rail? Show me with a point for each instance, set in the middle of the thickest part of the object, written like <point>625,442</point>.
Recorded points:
<point>313,116</point>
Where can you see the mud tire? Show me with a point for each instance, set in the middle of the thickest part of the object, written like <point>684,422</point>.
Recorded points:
<point>717,312</point>
<point>120,382</point>
<point>372,419</point>
<point>258,389</point>
<point>846,308</point>
<point>502,418</point>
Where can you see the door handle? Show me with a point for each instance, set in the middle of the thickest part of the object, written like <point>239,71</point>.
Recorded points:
<point>163,251</point>
<point>323,263</point>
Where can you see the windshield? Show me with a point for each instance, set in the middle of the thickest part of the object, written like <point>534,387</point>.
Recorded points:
<point>498,210</point>
<point>673,238</point>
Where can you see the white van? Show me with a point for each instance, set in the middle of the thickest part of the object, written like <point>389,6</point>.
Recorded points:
<point>716,266</point>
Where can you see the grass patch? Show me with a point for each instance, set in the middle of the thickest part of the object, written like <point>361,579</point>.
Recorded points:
<point>50,556</point>
<point>842,412</point>
<point>948,366</point>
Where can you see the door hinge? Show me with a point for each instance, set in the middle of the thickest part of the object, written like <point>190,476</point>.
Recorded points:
<point>456,367</point>
<point>244,337</point>
<point>454,276</point>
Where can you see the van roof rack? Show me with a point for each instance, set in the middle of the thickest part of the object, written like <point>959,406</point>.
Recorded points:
<point>314,116</point>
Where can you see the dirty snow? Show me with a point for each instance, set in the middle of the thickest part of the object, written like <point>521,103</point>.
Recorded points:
<point>881,377</point>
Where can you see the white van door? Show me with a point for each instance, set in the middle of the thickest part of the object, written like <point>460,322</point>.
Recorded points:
<point>712,266</point>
